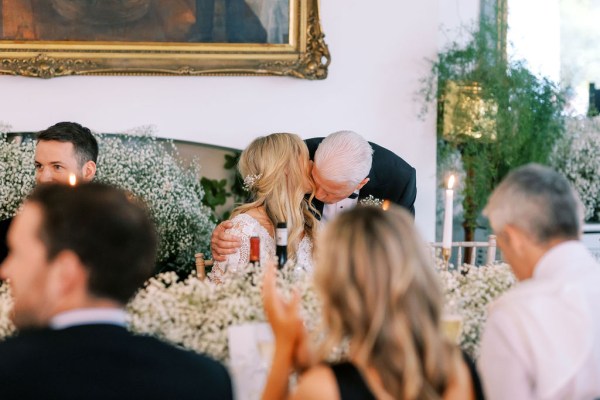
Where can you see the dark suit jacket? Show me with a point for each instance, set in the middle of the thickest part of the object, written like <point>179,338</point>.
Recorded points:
<point>390,177</point>
<point>105,362</point>
<point>3,231</point>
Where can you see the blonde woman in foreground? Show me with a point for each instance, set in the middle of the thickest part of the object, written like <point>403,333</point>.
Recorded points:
<point>378,288</point>
<point>276,172</point>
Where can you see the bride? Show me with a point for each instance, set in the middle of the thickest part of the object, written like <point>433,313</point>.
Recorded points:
<point>276,171</point>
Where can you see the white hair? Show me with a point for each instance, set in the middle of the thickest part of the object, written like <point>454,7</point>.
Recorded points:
<point>344,157</point>
<point>538,200</point>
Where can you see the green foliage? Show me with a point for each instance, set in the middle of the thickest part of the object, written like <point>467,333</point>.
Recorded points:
<point>520,115</point>
<point>237,189</point>
<point>215,194</point>
<point>216,191</point>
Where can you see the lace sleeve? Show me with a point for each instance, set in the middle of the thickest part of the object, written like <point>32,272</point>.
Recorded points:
<point>242,228</point>
<point>304,257</point>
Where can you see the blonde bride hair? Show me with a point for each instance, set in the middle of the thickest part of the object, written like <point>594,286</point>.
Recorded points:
<point>380,291</point>
<point>276,169</point>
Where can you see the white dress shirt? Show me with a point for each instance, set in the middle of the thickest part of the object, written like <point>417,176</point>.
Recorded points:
<point>331,210</point>
<point>88,316</point>
<point>542,338</point>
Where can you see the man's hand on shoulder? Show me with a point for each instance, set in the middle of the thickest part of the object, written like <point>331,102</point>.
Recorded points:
<point>222,243</point>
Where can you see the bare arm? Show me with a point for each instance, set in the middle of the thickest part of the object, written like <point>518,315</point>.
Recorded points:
<point>287,327</point>
<point>222,243</point>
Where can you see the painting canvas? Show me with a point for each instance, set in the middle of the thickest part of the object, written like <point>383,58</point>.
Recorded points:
<point>228,21</point>
<point>203,36</point>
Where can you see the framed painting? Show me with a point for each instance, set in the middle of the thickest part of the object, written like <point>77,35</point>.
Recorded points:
<point>50,38</point>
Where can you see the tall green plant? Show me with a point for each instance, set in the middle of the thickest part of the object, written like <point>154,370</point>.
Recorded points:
<point>523,114</point>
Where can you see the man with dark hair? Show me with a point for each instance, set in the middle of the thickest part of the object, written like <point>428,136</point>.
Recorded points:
<point>62,150</point>
<point>77,254</point>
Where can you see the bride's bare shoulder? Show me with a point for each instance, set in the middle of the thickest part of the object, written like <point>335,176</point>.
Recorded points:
<point>260,215</point>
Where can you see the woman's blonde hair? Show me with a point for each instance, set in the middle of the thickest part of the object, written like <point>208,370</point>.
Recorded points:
<point>279,170</point>
<point>380,291</point>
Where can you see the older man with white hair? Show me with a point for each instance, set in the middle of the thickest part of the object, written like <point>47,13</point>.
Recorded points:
<point>346,168</point>
<point>542,338</point>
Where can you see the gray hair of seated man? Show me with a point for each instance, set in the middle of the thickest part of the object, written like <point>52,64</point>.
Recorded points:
<point>539,201</point>
<point>344,157</point>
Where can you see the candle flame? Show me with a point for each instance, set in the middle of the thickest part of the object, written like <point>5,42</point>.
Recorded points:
<point>72,179</point>
<point>451,182</point>
<point>385,205</point>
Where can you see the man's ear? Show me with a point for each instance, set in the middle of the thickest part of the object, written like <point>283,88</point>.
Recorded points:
<point>67,274</point>
<point>89,171</point>
<point>515,238</point>
<point>362,183</point>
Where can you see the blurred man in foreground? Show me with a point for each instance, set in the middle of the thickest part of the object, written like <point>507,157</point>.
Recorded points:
<point>76,256</point>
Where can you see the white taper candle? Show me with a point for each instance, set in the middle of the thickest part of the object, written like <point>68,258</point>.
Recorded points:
<point>447,232</point>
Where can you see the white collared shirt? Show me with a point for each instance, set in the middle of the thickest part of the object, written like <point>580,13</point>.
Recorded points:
<point>331,210</point>
<point>88,316</point>
<point>542,338</point>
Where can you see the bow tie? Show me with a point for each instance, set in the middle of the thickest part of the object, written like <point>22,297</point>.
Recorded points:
<point>353,196</point>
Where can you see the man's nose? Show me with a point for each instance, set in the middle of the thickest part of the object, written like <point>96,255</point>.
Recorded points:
<point>44,176</point>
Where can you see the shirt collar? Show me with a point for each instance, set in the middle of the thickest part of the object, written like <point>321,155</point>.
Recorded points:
<point>89,316</point>
<point>564,258</point>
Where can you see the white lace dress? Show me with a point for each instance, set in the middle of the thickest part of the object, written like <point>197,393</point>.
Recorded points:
<point>244,226</point>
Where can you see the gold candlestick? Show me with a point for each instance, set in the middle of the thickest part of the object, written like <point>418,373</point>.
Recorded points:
<point>446,253</point>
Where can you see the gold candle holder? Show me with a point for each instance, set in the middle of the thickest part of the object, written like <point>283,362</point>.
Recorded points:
<point>446,253</point>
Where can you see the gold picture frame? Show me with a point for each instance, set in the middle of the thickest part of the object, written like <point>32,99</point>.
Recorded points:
<point>305,54</point>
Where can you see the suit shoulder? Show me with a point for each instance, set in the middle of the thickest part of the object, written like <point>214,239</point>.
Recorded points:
<point>189,357</point>
<point>312,145</point>
<point>381,154</point>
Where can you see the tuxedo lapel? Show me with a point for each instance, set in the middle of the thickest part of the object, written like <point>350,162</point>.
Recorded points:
<point>318,204</point>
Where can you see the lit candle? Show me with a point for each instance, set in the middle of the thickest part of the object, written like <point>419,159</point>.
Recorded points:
<point>447,232</point>
<point>72,179</point>
<point>385,205</point>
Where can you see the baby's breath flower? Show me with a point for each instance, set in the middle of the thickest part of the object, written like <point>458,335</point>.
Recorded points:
<point>139,163</point>
<point>468,291</point>
<point>196,314</point>
<point>577,156</point>
<point>6,304</point>
<point>371,201</point>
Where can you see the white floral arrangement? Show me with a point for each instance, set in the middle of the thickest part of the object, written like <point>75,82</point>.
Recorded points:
<point>196,313</point>
<point>150,169</point>
<point>370,200</point>
<point>6,305</point>
<point>16,173</point>
<point>147,167</point>
<point>468,292</point>
<point>577,156</point>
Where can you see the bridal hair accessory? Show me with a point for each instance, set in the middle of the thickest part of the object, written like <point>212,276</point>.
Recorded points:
<point>250,181</point>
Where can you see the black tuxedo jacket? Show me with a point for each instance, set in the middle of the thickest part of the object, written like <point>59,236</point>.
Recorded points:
<point>105,362</point>
<point>4,224</point>
<point>390,177</point>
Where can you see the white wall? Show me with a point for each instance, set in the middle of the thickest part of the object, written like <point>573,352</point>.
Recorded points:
<point>378,50</point>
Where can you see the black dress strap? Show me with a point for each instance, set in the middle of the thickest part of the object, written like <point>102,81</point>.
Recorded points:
<point>351,384</point>
<point>477,388</point>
